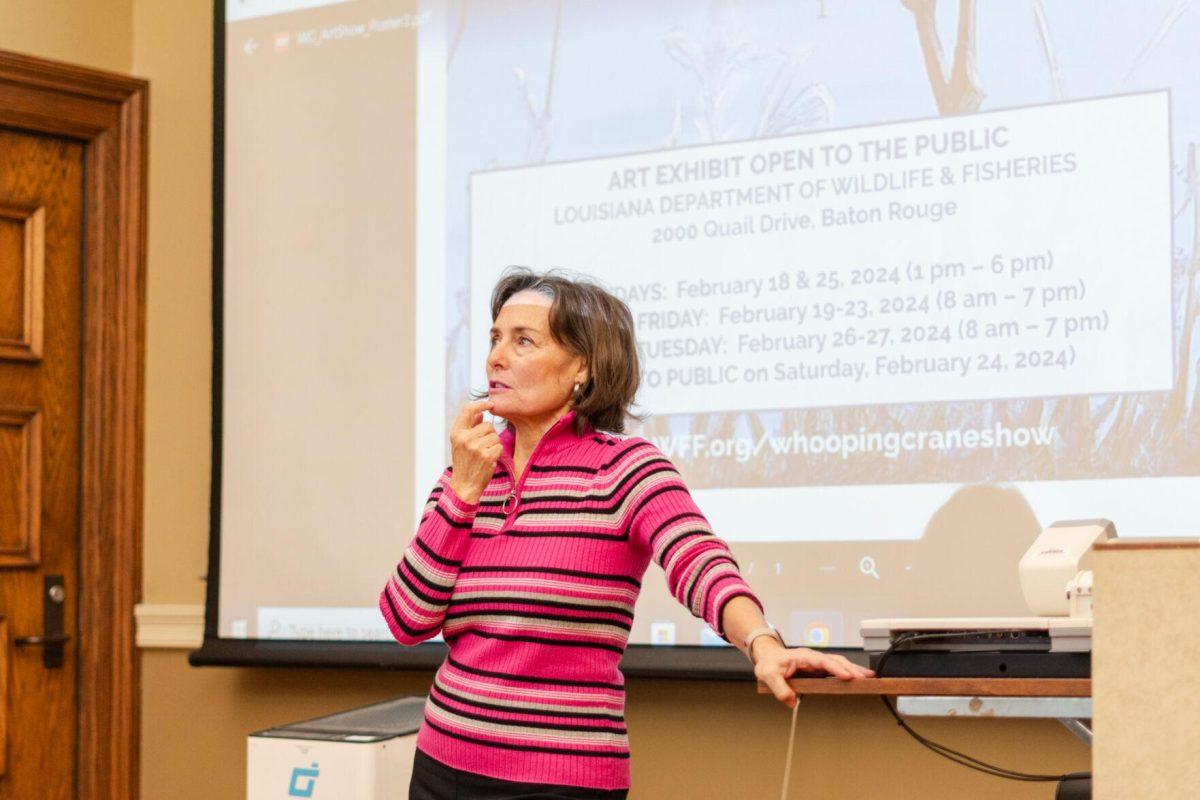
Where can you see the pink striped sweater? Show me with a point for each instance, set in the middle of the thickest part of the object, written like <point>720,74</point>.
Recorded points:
<point>534,587</point>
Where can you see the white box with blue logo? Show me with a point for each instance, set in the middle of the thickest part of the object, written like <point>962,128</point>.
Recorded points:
<point>362,754</point>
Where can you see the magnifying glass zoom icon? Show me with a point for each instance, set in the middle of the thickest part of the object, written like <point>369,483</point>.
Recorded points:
<point>867,567</point>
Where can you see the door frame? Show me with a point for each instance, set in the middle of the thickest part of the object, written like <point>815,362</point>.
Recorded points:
<point>108,113</point>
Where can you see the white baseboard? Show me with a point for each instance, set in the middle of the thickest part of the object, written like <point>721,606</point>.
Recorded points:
<point>165,625</point>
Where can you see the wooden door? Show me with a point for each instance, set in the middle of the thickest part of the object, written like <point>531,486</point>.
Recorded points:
<point>72,319</point>
<point>41,231</point>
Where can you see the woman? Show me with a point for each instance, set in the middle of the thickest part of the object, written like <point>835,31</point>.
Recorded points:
<point>530,554</point>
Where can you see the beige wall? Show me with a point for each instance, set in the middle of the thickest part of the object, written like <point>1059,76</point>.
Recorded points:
<point>690,739</point>
<point>173,50</point>
<point>696,740</point>
<point>91,33</point>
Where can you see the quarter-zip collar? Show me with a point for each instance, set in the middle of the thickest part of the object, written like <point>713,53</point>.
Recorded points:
<point>560,434</point>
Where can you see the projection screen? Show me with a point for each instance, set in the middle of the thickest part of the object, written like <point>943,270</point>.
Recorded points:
<point>910,284</point>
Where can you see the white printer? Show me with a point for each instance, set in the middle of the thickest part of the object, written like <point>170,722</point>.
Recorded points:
<point>361,754</point>
<point>1056,580</point>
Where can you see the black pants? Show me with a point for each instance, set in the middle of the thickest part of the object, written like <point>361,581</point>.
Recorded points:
<point>433,780</point>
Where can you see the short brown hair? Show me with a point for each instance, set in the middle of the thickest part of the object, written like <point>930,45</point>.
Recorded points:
<point>590,322</point>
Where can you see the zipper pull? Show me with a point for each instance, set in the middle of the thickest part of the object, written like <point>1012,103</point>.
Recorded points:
<point>510,502</point>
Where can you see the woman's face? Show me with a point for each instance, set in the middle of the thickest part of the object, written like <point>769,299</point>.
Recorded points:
<point>530,375</point>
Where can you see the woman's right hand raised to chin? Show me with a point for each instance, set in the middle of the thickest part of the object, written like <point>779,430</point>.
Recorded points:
<point>474,450</point>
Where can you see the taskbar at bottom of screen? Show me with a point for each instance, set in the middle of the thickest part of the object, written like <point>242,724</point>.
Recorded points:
<point>692,662</point>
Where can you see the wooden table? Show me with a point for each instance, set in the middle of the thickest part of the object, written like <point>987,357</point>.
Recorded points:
<point>975,687</point>
<point>1043,698</point>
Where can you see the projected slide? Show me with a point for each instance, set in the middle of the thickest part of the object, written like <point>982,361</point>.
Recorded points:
<point>958,259</point>
<point>911,279</point>
<point>1000,255</point>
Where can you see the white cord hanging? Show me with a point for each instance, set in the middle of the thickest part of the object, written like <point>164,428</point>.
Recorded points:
<point>787,767</point>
